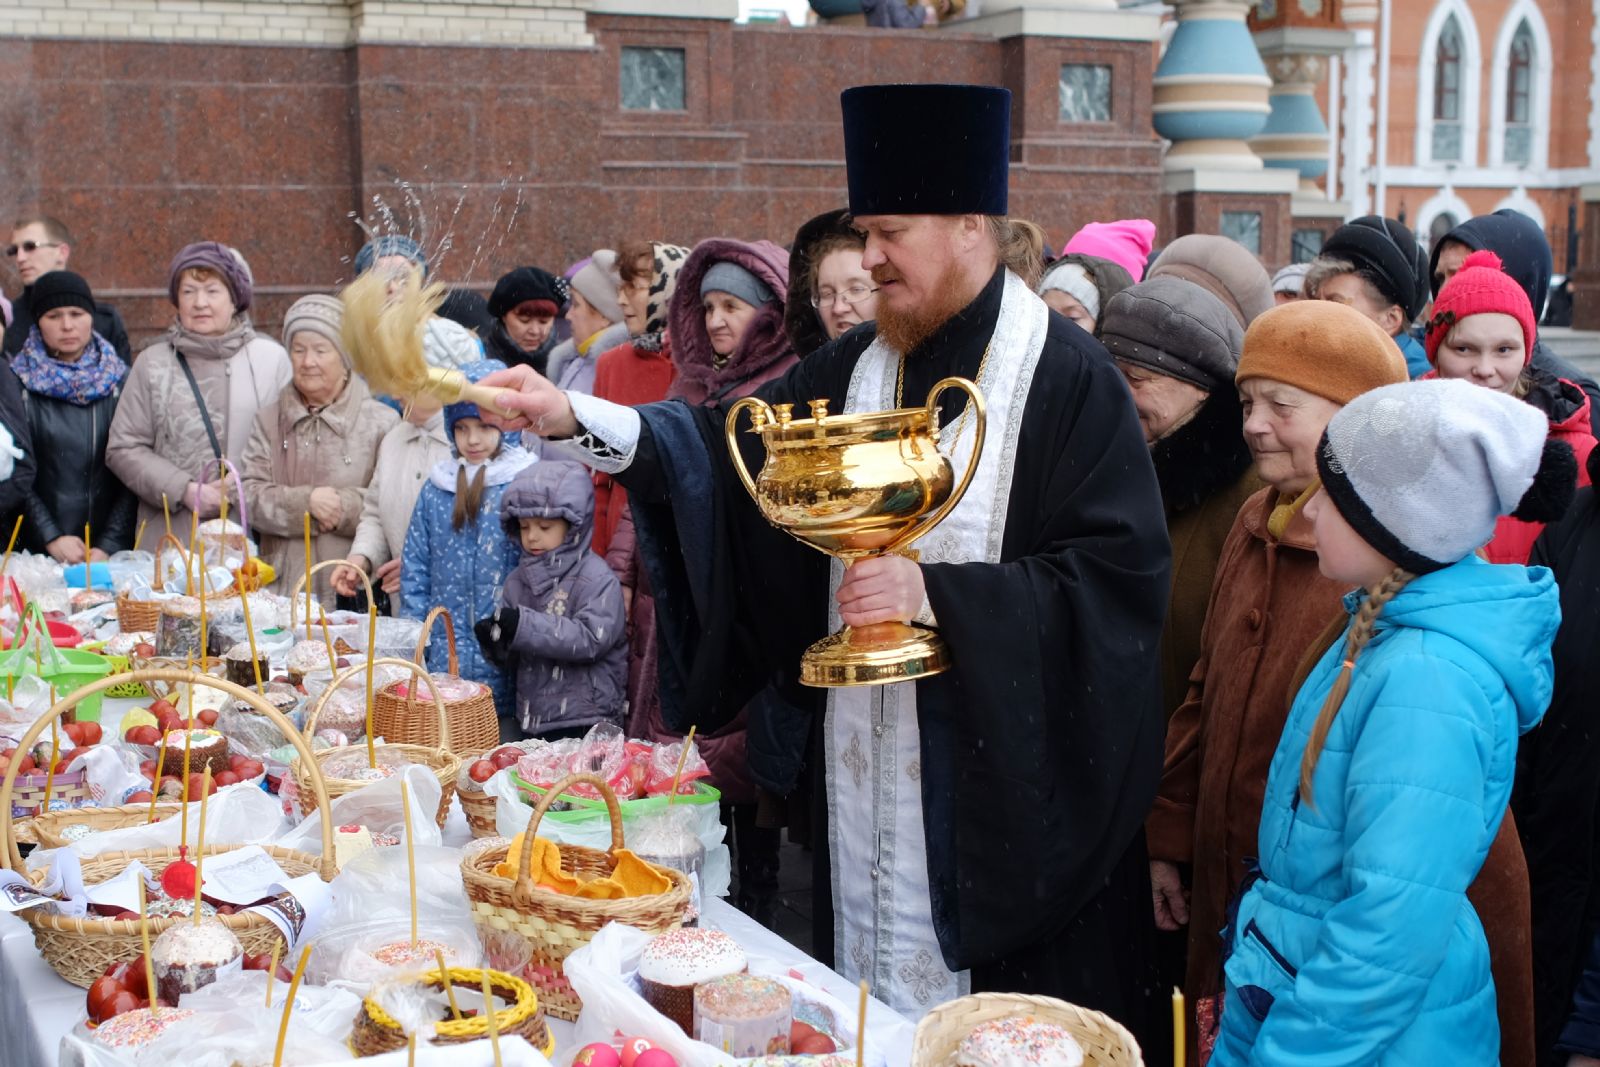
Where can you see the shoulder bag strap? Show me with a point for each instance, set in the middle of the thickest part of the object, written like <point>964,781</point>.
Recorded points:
<point>200,401</point>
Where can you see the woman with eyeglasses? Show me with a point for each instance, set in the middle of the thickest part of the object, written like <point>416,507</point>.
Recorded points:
<point>830,292</point>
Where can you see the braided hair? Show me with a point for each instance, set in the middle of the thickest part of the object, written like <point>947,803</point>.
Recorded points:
<point>1361,630</point>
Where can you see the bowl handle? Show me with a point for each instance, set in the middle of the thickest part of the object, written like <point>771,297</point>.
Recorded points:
<point>975,397</point>
<point>761,414</point>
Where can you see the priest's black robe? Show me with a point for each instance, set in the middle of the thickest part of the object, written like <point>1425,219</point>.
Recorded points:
<point>1042,746</point>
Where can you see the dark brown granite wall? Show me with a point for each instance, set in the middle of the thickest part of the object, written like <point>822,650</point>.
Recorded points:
<point>500,156</point>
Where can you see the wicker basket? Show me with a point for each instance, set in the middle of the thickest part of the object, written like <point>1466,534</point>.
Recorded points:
<point>1104,1041</point>
<point>81,949</point>
<point>479,809</point>
<point>439,760</point>
<point>297,597</point>
<point>139,615</point>
<point>67,792</point>
<point>168,667</point>
<point>474,725</point>
<point>556,925</point>
<point>376,1032</point>
<point>46,830</point>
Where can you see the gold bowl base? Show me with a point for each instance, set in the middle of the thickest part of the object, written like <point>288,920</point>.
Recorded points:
<point>874,655</point>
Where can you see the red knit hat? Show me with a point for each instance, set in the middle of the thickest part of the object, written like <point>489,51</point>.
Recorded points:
<point>1480,287</point>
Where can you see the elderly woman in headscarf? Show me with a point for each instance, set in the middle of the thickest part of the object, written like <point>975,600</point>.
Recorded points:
<point>313,450</point>
<point>192,398</point>
<point>71,379</point>
<point>525,304</point>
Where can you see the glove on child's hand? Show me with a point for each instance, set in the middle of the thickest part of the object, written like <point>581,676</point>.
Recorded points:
<point>495,634</point>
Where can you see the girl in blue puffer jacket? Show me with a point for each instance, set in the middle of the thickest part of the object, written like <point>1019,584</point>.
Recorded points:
<point>1355,944</point>
<point>456,555</point>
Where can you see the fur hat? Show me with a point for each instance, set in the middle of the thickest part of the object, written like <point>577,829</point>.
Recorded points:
<point>1223,267</point>
<point>1480,287</point>
<point>1388,249</point>
<point>1423,470</point>
<point>1174,328</point>
<point>927,149</point>
<point>1327,349</point>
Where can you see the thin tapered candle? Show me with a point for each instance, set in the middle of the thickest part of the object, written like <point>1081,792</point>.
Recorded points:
<point>272,972</point>
<point>88,557</point>
<point>188,569</point>
<point>490,1013</point>
<point>138,537</point>
<point>861,1026</point>
<point>250,635</point>
<point>166,513</point>
<point>200,843</point>
<point>411,859</point>
<point>55,754</point>
<point>288,1005</point>
<point>144,935</point>
<point>203,650</point>
<point>308,576</point>
<point>15,530</point>
<point>155,786</point>
<point>449,987</point>
<point>372,654</point>
<point>683,757</point>
<point>1180,1046</point>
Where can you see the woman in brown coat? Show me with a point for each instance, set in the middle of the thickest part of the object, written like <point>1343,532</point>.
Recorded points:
<point>313,450</point>
<point>1269,606</point>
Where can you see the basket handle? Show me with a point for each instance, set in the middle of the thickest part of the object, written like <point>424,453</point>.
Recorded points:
<point>417,671</point>
<point>300,584</point>
<point>522,892</point>
<point>453,665</point>
<point>225,467</point>
<point>157,583</point>
<point>11,858</point>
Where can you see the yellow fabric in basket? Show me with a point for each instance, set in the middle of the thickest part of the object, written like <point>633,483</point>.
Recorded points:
<point>633,877</point>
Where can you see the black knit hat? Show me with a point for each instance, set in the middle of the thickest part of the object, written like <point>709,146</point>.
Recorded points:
<point>927,149</point>
<point>525,284</point>
<point>59,289</point>
<point>1388,249</point>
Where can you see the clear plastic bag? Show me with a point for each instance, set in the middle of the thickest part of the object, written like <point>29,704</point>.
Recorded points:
<point>377,807</point>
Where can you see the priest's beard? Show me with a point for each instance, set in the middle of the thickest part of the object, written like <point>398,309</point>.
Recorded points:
<point>904,330</point>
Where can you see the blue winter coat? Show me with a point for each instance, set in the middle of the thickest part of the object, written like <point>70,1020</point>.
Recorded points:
<point>1357,944</point>
<point>461,570</point>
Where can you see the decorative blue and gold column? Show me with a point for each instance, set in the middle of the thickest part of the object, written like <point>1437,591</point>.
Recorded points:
<point>1211,89</point>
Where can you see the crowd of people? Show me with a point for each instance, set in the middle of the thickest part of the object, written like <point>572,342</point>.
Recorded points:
<point>1372,577</point>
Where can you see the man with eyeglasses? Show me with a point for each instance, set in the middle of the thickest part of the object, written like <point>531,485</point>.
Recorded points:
<point>39,245</point>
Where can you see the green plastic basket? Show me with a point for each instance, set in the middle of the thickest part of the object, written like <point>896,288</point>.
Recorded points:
<point>585,807</point>
<point>122,665</point>
<point>68,669</point>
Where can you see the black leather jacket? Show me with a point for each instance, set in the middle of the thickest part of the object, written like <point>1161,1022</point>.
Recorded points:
<point>72,484</point>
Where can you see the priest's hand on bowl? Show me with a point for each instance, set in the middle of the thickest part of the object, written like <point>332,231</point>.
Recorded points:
<point>881,589</point>
<point>537,405</point>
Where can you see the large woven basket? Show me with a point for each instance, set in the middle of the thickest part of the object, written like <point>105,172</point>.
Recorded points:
<point>1104,1041</point>
<point>437,759</point>
<point>65,791</point>
<point>556,925</point>
<point>135,616</point>
<point>47,830</point>
<point>474,724</point>
<point>81,949</point>
<point>376,1032</point>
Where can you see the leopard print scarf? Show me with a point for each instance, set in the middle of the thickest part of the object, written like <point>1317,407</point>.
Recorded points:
<point>664,267</point>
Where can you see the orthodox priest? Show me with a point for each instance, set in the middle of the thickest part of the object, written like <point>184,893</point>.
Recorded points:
<point>983,824</point>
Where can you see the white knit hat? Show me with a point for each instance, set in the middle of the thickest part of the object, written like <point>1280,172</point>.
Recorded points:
<point>1422,470</point>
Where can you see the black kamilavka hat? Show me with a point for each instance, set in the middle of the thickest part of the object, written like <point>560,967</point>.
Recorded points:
<point>927,149</point>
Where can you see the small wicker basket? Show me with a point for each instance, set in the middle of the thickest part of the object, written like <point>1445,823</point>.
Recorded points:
<point>474,725</point>
<point>556,925</point>
<point>376,1032</point>
<point>46,830</point>
<point>1104,1041</point>
<point>136,616</point>
<point>81,949</point>
<point>438,759</point>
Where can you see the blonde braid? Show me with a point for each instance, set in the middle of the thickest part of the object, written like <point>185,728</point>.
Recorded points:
<point>1361,631</point>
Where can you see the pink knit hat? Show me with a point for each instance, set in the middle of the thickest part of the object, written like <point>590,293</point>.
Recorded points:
<point>1126,242</point>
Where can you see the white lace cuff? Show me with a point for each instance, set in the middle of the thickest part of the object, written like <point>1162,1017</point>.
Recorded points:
<point>608,434</point>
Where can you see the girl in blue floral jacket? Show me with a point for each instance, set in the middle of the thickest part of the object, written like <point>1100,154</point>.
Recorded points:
<point>456,555</point>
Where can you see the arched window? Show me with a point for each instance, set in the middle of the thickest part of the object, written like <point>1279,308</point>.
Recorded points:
<point>1518,145</point>
<point>1447,94</point>
<point>1442,224</point>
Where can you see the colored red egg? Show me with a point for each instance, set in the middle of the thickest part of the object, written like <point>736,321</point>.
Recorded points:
<point>655,1057</point>
<point>598,1054</point>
